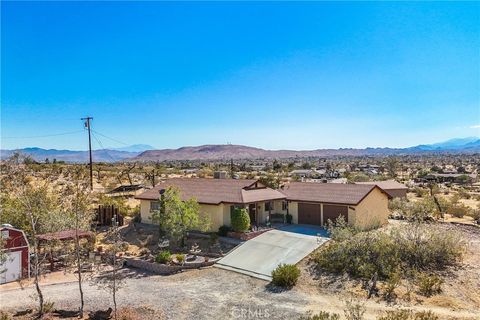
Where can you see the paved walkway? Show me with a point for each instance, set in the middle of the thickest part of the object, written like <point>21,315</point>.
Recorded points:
<point>259,256</point>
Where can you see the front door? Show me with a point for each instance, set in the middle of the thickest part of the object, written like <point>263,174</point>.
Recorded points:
<point>252,212</point>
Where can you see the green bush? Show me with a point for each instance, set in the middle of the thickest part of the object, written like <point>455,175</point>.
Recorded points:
<point>223,231</point>
<point>289,218</point>
<point>322,315</point>
<point>240,220</point>
<point>180,258</point>
<point>429,284</point>
<point>458,210</point>
<point>285,275</point>
<point>163,257</point>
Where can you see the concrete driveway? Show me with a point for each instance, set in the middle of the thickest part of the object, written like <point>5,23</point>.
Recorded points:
<point>259,256</point>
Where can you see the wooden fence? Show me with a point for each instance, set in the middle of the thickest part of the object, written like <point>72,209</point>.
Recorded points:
<point>105,215</point>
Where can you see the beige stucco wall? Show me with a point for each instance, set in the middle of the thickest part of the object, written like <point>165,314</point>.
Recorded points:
<point>293,210</point>
<point>215,213</point>
<point>372,211</point>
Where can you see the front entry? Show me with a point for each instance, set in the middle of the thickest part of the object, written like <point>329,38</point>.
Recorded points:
<point>252,212</point>
<point>309,213</point>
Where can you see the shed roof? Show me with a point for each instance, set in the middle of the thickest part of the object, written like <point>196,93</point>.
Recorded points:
<point>215,191</point>
<point>350,194</point>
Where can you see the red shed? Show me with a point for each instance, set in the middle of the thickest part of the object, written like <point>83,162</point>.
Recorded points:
<point>17,262</point>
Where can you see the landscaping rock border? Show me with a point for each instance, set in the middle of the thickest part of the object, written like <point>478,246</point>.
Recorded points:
<point>164,269</point>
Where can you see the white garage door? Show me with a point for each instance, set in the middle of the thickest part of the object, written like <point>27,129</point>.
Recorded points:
<point>11,269</point>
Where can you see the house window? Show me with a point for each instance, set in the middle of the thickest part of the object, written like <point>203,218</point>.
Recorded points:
<point>268,206</point>
<point>154,205</point>
<point>5,234</point>
<point>284,205</point>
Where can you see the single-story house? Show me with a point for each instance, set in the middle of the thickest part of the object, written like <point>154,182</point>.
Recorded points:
<point>393,188</point>
<point>217,198</point>
<point>308,203</point>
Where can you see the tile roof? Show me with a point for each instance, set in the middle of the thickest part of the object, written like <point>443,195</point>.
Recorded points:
<point>350,194</point>
<point>386,185</point>
<point>215,191</point>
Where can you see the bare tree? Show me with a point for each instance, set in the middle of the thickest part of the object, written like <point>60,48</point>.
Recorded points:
<point>78,198</point>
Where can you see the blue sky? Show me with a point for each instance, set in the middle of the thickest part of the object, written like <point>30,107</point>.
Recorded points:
<point>272,75</point>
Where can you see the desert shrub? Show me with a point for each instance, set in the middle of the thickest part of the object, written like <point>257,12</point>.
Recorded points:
<point>392,282</point>
<point>425,315</point>
<point>180,258</point>
<point>422,210</point>
<point>48,306</point>
<point>361,256</point>
<point>354,310</point>
<point>339,230</point>
<point>420,192</point>
<point>427,247</point>
<point>475,214</point>
<point>458,210</point>
<point>428,284</point>
<point>5,316</point>
<point>322,315</point>
<point>240,220</point>
<point>223,231</point>
<point>462,193</point>
<point>163,257</point>
<point>285,275</point>
<point>405,314</point>
<point>413,246</point>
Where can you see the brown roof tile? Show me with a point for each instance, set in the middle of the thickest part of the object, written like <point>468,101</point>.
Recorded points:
<point>350,194</point>
<point>386,185</point>
<point>215,191</point>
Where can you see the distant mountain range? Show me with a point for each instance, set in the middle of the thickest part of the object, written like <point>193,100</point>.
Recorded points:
<point>100,155</point>
<point>145,153</point>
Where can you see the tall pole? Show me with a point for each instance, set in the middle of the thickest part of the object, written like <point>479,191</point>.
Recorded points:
<point>87,125</point>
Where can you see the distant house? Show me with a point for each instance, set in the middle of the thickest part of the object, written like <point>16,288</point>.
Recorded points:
<point>393,188</point>
<point>127,190</point>
<point>305,173</point>
<point>461,178</point>
<point>308,203</point>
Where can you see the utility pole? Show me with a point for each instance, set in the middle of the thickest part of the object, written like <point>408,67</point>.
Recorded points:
<point>87,125</point>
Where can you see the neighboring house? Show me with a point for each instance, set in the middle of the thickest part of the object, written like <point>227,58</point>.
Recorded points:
<point>393,188</point>
<point>460,178</point>
<point>126,190</point>
<point>308,203</point>
<point>16,264</point>
<point>218,198</point>
<point>363,206</point>
<point>305,173</point>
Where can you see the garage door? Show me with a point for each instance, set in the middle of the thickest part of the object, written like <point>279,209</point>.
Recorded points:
<point>309,213</point>
<point>332,212</point>
<point>11,268</point>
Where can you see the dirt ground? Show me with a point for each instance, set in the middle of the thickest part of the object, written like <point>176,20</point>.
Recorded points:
<point>213,293</point>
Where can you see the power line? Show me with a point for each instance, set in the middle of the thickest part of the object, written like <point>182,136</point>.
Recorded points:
<point>44,136</point>
<point>118,141</point>
<point>103,148</point>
